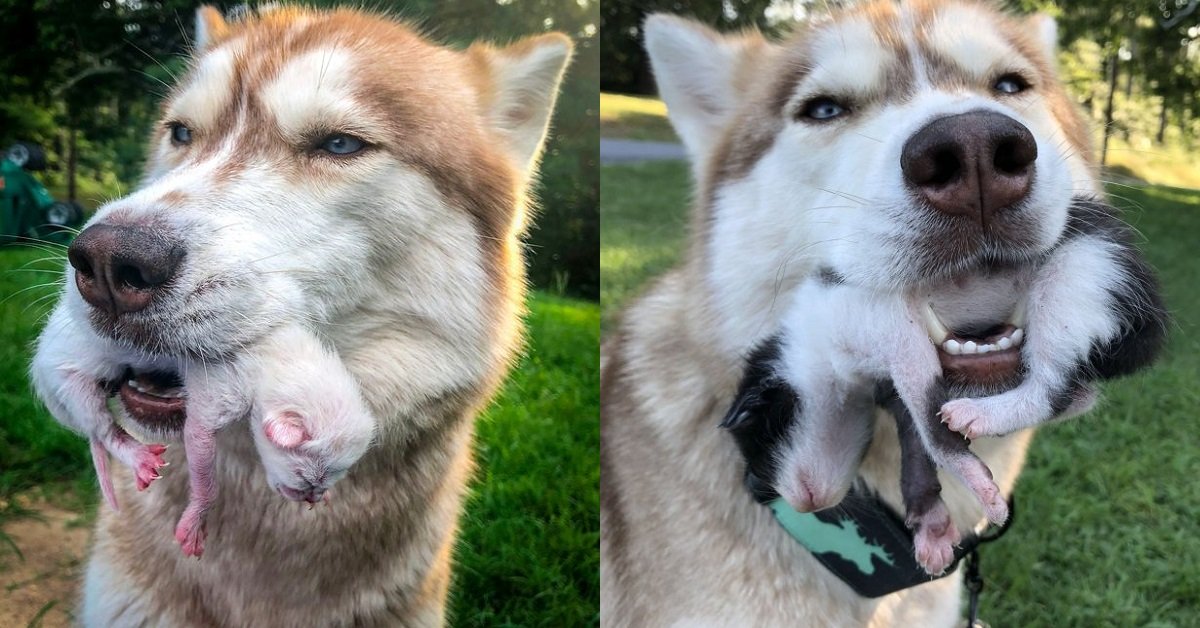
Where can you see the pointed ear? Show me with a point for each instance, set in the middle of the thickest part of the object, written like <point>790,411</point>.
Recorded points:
<point>1045,29</point>
<point>695,68</point>
<point>520,89</point>
<point>210,27</point>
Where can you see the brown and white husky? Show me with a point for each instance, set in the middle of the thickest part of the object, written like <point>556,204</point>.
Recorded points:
<point>337,170</point>
<point>878,143</point>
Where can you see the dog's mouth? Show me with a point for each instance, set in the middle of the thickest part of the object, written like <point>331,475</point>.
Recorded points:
<point>155,399</point>
<point>982,353</point>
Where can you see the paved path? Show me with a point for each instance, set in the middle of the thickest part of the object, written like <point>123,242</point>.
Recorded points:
<point>614,151</point>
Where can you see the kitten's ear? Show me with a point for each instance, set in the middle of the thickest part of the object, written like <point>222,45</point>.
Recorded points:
<point>524,79</point>
<point>695,68</point>
<point>210,27</point>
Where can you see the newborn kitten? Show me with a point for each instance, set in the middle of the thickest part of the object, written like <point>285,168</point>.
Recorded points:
<point>307,418</point>
<point>1091,310</point>
<point>74,376</point>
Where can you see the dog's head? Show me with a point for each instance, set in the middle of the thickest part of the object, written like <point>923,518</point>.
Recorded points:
<point>898,144</point>
<point>311,165</point>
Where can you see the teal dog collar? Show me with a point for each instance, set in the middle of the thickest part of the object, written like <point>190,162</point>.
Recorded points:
<point>864,543</point>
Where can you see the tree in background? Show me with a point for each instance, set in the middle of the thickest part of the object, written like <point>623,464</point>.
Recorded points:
<point>625,68</point>
<point>1134,66</point>
<point>83,78</point>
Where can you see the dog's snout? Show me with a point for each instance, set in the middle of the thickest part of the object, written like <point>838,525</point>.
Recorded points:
<point>119,268</point>
<point>972,164</point>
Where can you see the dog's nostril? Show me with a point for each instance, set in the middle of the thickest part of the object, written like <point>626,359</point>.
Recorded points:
<point>946,167</point>
<point>1013,156</point>
<point>131,277</point>
<point>82,264</point>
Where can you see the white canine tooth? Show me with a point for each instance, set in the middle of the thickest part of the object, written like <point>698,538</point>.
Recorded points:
<point>969,347</point>
<point>988,348</point>
<point>1018,336</point>
<point>1005,343</point>
<point>1019,313</point>
<point>933,326</point>
<point>952,347</point>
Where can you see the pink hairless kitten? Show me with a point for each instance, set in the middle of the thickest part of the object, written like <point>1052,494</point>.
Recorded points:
<point>307,418</point>
<point>75,371</point>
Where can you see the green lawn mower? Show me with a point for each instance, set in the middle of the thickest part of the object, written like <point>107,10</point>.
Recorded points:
<point>27,211</point>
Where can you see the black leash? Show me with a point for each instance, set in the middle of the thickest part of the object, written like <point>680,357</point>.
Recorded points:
<point>972,579</point>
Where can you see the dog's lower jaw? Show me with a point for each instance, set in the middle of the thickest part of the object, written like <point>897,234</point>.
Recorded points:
<point>381,551</point>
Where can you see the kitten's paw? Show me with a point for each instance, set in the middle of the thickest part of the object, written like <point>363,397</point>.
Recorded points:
<point>934,540</point>
<point>967,417</point>
<point>190,533</point>
<point>286,429</point>
<point>147,461</point>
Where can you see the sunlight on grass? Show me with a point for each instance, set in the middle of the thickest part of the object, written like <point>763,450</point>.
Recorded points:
<point>1155,164</point>
<point>634,117</point>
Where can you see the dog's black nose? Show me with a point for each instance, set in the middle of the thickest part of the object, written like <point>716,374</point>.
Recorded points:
<point>119,268</point>
<point>972,164</point>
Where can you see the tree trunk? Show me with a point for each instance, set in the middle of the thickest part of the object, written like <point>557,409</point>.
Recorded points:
<point>1162,121</point>
<point>1108,108</point>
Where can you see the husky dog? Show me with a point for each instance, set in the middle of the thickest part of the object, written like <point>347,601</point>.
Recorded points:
<point>307,418</point>
<point>894,143</point>
<point>338,170</point>
<point>840,343</point>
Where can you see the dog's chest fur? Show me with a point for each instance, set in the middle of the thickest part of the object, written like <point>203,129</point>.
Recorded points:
<point>682,538</point>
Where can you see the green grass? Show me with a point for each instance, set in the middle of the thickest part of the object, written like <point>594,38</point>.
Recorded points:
<point>1108,525</point>
<point>528,554</point>
<point>635,118</point>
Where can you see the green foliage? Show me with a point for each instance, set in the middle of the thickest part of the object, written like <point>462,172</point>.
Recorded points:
<point>1107,529</point>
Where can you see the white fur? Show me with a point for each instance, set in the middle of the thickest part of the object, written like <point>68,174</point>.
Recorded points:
<point>1070,312</point>
<point>695,75</point>
<point>208,94</point>
<point>527,91</point>
<point>315,88</point>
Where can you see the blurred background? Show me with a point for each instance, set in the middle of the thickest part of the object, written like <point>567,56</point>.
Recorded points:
<point>83,80</point>
<point>1107,529</point>
<point>80,84</point>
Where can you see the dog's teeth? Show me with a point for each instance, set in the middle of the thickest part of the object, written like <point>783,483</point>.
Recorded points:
<point>1005,343</point>
<point>933,326</point>
<point>988,348</point>
<point>952,347</point>
<point>1018,336</point>
<point>969,347</point>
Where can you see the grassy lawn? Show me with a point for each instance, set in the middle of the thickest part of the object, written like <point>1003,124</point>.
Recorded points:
<point>528,549</point>
<point>1108,528</point>
<point>635,118</point>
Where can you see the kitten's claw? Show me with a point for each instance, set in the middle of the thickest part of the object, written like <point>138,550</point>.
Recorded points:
<point>148,460</point>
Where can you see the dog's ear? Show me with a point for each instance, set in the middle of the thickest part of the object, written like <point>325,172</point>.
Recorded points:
<point>210,27</point>
<point>520,85</point>
<point>695,68</point>
<point>1045,30</point>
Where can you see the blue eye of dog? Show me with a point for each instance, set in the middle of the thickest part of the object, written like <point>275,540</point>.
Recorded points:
<point>180,134</point>
<point>822,109</point>
<point>1010,84</point>
<point>342,144</point>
